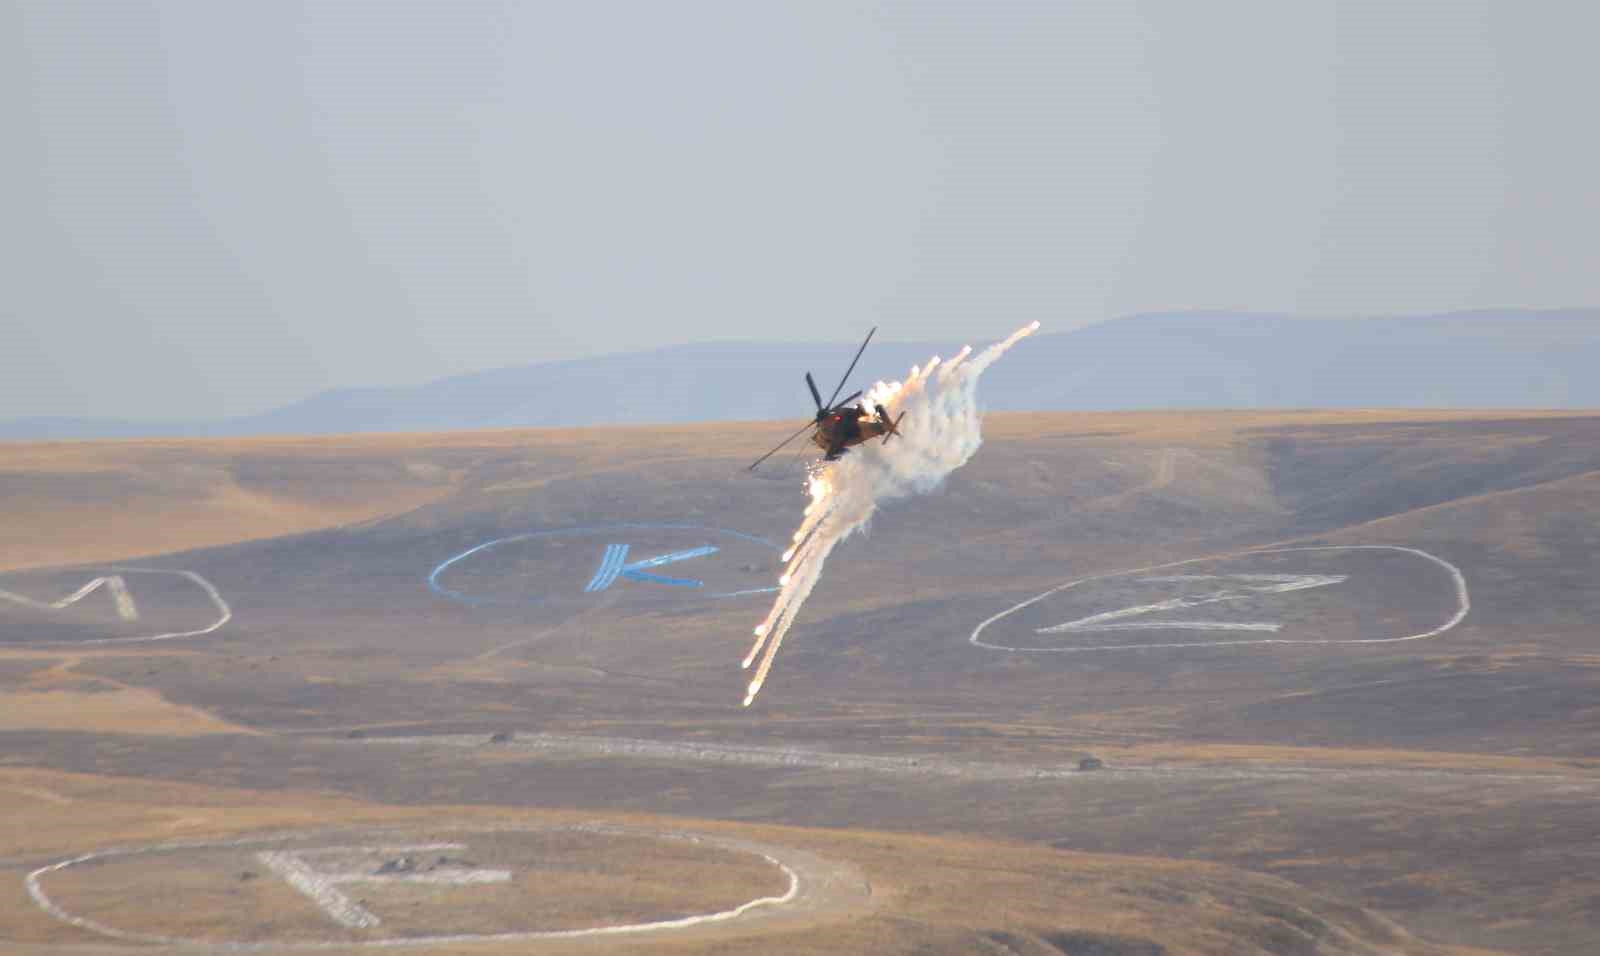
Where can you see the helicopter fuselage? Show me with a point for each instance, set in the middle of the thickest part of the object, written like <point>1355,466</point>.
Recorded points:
<point>841,428</point>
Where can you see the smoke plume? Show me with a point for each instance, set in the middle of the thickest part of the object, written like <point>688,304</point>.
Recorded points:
<point>940,433</point>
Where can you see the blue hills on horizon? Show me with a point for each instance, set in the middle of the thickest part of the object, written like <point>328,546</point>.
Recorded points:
<point>1177,360</point>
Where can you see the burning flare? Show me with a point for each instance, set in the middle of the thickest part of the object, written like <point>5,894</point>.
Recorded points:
<point>940,434</point>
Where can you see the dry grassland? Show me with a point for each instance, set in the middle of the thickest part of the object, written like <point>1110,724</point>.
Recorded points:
<point>118,711</point>
<point>56,697</point>
<point>882,668</point>
<point>927,894</point>
<point>76,502</point>
<point>1234,755</point>
<point>79,502</point>
<point>1223,428</point>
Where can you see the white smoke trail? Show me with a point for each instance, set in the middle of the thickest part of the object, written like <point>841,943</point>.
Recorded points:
<point>939,434</point>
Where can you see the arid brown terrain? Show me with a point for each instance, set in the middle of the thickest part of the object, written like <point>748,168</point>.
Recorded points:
<point>1134,683</point>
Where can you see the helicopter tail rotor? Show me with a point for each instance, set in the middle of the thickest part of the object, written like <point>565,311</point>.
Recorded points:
<point>890,428</point>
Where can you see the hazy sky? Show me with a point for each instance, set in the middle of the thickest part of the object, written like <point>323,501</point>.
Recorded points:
<point>209,208</point>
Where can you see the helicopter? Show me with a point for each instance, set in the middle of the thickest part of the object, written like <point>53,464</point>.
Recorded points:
<point>838,425</point>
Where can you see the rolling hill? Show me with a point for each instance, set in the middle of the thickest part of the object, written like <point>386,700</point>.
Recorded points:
<point>1184,360</point>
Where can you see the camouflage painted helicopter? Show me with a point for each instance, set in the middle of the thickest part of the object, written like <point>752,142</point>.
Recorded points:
<point>839,425</point>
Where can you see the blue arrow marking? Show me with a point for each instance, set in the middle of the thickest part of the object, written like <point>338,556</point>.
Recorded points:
<point>611,568</point>
<point>633,571</point>
<point>436,583</point>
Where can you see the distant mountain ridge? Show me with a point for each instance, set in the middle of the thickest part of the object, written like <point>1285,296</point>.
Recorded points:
<point>1482,359</point>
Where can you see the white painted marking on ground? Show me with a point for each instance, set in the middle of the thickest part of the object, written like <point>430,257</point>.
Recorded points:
<point>34,884</point>
<point>129,611</point>
<point>118,587</point>
<point>1252,583</point>
<point>126,609</point>
<point>322,885</point>
<point>1463,602</point>
<point>447,878</point>
<point>319,888</point>
<point>1272,626</point>
<point>1280,583</point>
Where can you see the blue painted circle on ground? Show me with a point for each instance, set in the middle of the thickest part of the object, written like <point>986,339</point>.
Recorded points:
<point>477,601</point>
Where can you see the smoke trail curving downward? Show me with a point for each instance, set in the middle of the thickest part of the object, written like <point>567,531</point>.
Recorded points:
<point>939,434</point>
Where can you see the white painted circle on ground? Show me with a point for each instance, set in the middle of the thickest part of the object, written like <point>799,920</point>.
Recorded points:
<point>330,879</point>
<point>1322,595</point>
<point>113,604</point>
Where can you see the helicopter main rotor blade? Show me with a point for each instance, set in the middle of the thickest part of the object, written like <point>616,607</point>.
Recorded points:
<point>815,395</point>
<point>803,429</point>
<point>852,367</point>
<point>850,398</point>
